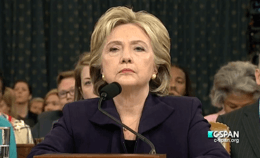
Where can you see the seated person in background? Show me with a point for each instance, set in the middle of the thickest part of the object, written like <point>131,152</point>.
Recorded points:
<point>180,84</point>
<point>234,86</point>
<point>133,49</point>
<point>12,147</point>
<point>245,120</point>
<point>52,101</point>
<point>21,130</point>
<point>5,123</point>
<point>83,87</point>
<point>66,88</point>
<point>23,95</point>
<point>7,104</point>
<point>36,105</point>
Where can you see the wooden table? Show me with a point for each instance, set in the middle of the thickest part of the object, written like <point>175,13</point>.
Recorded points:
<point>23,150</point>
<point>100,156</point>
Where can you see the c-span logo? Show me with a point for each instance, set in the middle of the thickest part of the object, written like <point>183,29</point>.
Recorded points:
<point>224,136</point>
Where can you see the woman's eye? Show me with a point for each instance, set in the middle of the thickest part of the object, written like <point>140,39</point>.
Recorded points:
<point>180,82</point>
<point>113,49</point>
<point>139,49</point>
<point>233,106</point>
<point>87,83</point>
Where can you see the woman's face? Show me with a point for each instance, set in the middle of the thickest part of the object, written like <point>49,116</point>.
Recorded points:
<point>178,82</point>
<point>21,91</point>
<point>52,103</point>
<point>4,108</point>
<point>36,107</point>
<point>237,101</point>
<point>86,85</point>
<point>128,57</point>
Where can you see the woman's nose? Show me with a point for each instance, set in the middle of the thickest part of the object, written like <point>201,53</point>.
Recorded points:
<point>126,56</point>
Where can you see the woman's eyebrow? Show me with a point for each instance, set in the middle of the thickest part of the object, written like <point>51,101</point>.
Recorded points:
<point>138,41</point>
<point>115,42</point>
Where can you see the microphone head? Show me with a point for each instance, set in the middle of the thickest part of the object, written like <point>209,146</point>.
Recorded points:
<point>111,90</point>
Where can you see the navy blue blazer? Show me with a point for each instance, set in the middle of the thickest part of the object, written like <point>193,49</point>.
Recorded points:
<point>174,125</point>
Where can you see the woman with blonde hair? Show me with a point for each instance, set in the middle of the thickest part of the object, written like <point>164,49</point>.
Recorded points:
<point>83,85</point>
<point>7,104</point>
<point>132,49</point>
<point>7,108</point>
<point>52,101</point>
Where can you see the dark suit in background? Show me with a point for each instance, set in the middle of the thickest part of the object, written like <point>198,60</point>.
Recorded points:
<point>174,124</point>
<point>246,121</point>
<point>45,123</point>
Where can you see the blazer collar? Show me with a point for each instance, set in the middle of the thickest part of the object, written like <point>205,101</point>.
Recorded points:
<point>154,113</point>
<point>252,127</point>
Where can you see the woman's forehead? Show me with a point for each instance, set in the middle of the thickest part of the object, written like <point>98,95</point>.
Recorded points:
<point>132,32</point>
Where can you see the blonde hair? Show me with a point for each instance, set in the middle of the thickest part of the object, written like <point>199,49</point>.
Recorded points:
<point>235,77</point>
<point>154,28</point>
<point>53,91</point>
<point>84,60</point>
<point>9,99</point>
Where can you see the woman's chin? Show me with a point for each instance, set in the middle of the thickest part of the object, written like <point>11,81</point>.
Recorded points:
<point>127,83</point>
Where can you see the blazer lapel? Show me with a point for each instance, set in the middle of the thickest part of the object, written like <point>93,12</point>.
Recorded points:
<point>252,127</point>
<point>101,119</point>
<point>154,113</point>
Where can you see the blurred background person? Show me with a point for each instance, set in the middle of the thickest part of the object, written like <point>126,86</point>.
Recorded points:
<point>36,105</point>
<point>83,87</point>
<point>180,84</point>
<point>23,95</point>
<point>234,86</point>
<point>7,104</point>
<point>66,87</point>
<point>66,90</point>
<point>52,101</point>
<point>7,109</point>
<point>12,147</point>
<point>245,120</point>
<point>5,123</point>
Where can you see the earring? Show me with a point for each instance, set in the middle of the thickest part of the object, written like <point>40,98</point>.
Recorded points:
<point>153,76</point>
<point>103,77</point>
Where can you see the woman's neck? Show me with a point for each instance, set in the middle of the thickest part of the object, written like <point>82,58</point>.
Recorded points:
<point>22,109</point>
<point>130,102</point>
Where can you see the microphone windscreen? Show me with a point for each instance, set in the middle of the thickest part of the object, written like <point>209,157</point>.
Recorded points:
<point>111,90</point>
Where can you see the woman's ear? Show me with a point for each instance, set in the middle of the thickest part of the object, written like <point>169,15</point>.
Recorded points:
<point>155,71</point>
<point>257,76</point>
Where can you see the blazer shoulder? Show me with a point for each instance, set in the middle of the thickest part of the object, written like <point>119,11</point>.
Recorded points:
<point>87,106</point>
<point>239,112</point>
<point>183,104</point>
<point>180,101</point>
<point>50,114</point>
<point>229,117</point>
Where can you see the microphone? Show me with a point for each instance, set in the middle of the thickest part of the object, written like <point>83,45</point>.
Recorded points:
<point>110,91</point>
